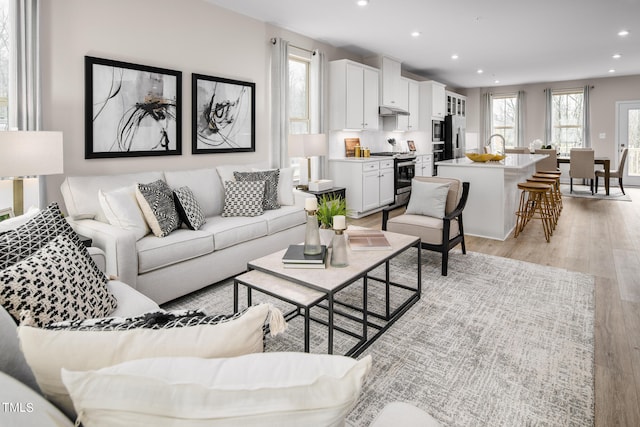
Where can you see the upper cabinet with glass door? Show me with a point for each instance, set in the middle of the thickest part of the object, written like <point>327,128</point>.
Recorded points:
<point>456,104</point>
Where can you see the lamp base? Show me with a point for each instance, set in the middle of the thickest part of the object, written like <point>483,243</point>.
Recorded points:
<point>18,196</point>
<point>302,187</point>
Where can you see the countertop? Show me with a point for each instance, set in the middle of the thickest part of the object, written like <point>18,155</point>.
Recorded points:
<point>512,161</point>
<point>361,159</point>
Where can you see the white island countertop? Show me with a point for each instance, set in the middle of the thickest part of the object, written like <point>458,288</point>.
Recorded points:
<point>512,161</point>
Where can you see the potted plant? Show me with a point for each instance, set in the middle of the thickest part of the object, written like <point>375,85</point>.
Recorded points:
<point>328,207</point>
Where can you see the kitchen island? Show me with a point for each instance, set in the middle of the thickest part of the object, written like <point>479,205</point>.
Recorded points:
<point>493,191</point>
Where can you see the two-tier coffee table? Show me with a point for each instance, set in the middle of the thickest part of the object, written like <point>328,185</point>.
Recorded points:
<point>308,288</point>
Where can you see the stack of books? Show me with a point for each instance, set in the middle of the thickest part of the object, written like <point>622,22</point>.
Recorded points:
<point>368,240</point>
<point>295,257</point>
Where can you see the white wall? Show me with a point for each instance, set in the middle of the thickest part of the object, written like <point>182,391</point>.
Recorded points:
<point>191,36</point>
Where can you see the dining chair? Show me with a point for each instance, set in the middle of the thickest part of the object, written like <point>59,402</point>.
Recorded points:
<point>517,150</point>
<point>581,163</point>
<point>617,173</point>
<point>548,164</point>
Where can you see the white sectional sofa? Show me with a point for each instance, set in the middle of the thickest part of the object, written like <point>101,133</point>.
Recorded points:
<point>164,268</point>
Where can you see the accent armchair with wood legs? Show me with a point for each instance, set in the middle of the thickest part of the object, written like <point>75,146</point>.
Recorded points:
<point>615,173</point>
<point>439,233</point>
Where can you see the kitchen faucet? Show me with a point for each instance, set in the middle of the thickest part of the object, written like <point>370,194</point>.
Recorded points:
<point>488,143</point>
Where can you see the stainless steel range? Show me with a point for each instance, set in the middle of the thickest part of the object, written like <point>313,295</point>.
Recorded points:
<point>404,170</point>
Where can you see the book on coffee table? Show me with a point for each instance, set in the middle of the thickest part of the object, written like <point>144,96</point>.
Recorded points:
<point>368,240</point>
<point>295,257</point>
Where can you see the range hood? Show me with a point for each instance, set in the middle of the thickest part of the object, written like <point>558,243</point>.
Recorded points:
<point>386,111</point>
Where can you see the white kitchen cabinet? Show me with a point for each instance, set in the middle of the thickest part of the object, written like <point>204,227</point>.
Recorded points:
<point>393,91</point>
<point>353,96</point>
<point>424,165</point>
<point>410,122</point>
<point>368,183</point>
<point>456,104</point>
<point>433,103</point>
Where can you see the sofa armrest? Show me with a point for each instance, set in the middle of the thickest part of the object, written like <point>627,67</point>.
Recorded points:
<point>118,245</point>
<point>99,257</point>
<point>300,196</point>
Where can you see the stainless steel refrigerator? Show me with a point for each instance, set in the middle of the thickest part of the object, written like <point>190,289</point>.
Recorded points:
<point>454,131</point>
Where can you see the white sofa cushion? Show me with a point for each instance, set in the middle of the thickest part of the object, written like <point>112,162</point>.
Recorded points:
<point>81,192</point>
<point>283,218</point>
<point>229,231</point>
<point>283,389</point>
<point>205,185</point>
<point>181,245</point>
<point>285,186</point>
<point>130,302</point>
<point>48,350</point>
<point>122,210</point>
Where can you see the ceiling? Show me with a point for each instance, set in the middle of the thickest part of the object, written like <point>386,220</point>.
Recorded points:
<point>513,41</point>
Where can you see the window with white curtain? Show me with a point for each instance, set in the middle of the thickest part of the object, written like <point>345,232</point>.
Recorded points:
<point>504,119</point>
<point>567,119</point>
<point>299,97</point>
<point>5,44</point>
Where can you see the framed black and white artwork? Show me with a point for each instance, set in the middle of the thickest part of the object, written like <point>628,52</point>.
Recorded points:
<point>223,115</point>
<point>131,110</point>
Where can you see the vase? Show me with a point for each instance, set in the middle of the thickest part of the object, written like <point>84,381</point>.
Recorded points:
<point>326,236</point>
<point>339,250</point>
<point>312,235</point>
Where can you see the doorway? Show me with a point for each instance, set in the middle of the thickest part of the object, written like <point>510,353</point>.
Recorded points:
<point>628,130</point>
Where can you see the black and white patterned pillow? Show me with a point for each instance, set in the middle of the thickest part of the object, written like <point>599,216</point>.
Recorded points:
<point>243,198</point>
<point>188,208</point>
<point>270,178</point>
<point>21,242</point>
<point>153,320</point>
<point>55,283</point>
<point>156,202</point>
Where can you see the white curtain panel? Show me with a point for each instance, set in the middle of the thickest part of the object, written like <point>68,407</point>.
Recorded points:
<point>520,115</point>
<point>318,75</point>
<point>547,116</point>
<point>586,127</point>
<point>279,96</point>
<point>486,114</point>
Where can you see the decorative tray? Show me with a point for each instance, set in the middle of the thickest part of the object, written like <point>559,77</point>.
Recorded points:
<point>484,157</point>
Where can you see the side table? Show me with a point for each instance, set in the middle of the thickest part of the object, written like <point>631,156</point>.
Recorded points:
<point>335,192</point>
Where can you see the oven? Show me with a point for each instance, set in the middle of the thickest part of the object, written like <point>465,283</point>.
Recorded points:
<point>437,128</point>
<point>438,156</point>
<point>405,171</point>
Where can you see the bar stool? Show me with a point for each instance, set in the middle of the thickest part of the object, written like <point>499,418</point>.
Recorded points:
<point>552,196</point>
<point>534,204</point>
<point>556,176</point>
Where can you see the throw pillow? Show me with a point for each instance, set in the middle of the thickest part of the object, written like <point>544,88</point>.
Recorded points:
<point>428,198</point>
<point>16,221</point>
<point>19,243</point>
<point>285,186</point>
<point>123,211</point>
<point>270,178</point>
<point>57,282</point>
<point>80,347</point>
<point>156,201</point>
<point>188,208</point>
<point>283,389</point>
<point>243,198</point>
<point>225,172</point>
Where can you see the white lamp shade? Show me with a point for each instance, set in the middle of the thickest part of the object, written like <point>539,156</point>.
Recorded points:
<point>307,145</point>
<point>24,153</point>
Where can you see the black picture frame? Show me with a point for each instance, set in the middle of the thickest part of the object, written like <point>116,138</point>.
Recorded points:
<point>131,110</point>
<point>223,115</point>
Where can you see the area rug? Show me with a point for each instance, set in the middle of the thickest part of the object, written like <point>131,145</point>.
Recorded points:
<point>497,342</point>
<point>583,191</point>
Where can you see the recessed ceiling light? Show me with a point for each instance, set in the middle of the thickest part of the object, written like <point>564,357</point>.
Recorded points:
<point>363,2</point>
<point>480,71</point>
<point>454,56</point>
<point>415,34</point>
<point>623,33</point>
<point>612,70</point>
<point>617,56</point>
<point>496,81</point>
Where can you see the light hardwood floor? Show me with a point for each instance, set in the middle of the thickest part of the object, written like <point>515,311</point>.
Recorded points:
<point>601,238</point>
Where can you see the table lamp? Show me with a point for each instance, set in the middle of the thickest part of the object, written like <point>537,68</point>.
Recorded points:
<point>28,153</point>
<point>307,145</point>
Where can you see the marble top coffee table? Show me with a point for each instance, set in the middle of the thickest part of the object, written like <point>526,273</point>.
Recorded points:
<point>308,288</point>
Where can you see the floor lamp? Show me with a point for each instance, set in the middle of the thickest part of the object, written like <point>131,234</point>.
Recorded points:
<point>307,145</point>
<point>29,153</point>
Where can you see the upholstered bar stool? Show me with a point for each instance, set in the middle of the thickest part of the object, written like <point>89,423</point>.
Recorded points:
<point>535,203</point>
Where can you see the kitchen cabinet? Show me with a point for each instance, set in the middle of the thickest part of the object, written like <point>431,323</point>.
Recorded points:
<point>393,90</point>
<point>424,165</point>
<point>432,103</point>
<point>369,183</point>
<point>456,104</point>
<point>410,122</point>
<point>353,96</point>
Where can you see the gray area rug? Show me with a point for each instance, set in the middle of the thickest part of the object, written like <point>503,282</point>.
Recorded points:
<point>584,191</point>
<point>498,342</point>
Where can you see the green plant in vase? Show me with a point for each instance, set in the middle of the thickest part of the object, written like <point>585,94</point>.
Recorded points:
<point>328,207</point>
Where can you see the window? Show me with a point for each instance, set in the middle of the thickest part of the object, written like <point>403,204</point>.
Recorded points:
<point>567,108</point>
<point>504,121</point>
<point>299,98</point>
<point>4,64</point>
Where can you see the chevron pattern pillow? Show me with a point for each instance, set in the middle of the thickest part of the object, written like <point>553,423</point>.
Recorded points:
<point>243,198</point>
<point>188,208</point>
<point>156,202</point>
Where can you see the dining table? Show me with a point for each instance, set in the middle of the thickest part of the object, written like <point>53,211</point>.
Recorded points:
<point>604,161</point>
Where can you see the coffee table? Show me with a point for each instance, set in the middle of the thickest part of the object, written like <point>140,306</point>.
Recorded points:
<point>308,288</point>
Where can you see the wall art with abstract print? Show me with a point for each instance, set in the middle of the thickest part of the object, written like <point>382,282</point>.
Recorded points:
<point>131,110</point>
<point>223,115</point>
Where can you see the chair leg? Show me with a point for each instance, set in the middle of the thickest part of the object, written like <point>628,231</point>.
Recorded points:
<point>445,262</point>
<point>596,184</point>
<point>591,185</point>
<point>620,184</point>
<point>570,185</point>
